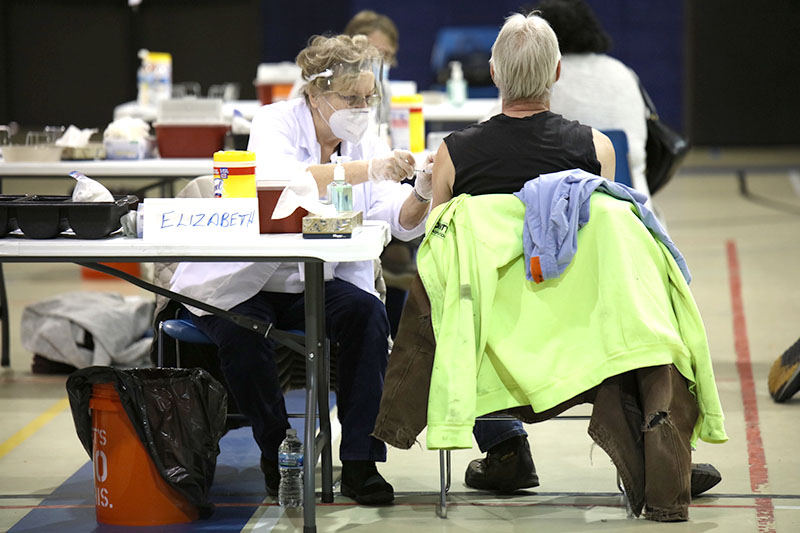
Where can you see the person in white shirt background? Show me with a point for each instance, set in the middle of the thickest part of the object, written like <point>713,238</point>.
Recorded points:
<point>297,136</point>
<point>596,89</point>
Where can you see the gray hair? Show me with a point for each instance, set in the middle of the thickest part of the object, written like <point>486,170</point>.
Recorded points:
<point>525,56</point>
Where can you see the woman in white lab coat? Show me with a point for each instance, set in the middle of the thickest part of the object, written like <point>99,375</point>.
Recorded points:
<point>296,136</point>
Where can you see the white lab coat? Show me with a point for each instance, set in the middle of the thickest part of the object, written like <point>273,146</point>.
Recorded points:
<point>285,142</point>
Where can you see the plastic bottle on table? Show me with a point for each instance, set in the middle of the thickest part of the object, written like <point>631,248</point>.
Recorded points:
<point>340,193</point>
<point>456,85</point>
<point>290,463</point>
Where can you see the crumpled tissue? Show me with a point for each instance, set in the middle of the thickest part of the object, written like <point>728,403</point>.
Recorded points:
<point>89,190</point>
<point>75,137</point>
<point>127,129</point>
<point>302,191</point>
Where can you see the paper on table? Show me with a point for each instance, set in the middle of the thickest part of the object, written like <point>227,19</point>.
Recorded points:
<point>302,191</point>
<point>75,137</point>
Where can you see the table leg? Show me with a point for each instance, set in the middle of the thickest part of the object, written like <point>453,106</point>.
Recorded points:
<point>324,373</point>
<point>5,358</point>
<point>315,335</point>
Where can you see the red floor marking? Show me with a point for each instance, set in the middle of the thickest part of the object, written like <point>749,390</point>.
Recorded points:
<point>759,477</point>
<point>418,504</point>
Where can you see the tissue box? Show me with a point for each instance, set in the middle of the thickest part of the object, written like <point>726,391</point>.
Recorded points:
<point>338,227</point>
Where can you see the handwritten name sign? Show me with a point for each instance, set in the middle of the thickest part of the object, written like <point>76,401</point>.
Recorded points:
<point>181,219</point>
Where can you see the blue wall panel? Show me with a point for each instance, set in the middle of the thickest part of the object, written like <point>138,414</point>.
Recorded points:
<point>648,36</point>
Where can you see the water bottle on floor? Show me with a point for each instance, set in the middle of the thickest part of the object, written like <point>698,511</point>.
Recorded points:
<point>290,462</point>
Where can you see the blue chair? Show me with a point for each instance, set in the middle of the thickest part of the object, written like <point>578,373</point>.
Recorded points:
<point>460,42</point>
<point>291,363</point>
<point>620,141</point>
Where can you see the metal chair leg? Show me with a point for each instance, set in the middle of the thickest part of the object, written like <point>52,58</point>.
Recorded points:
<point>443,486</point>
<point>625,499</point>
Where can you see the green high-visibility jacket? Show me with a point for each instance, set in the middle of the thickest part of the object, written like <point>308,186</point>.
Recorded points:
<point>503,341</point>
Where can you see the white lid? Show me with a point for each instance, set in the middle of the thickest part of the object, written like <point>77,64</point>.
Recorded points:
<point>338,173</point>
<point>456,73</point>
<point>271,184</point>
<point>283,72</point>
<point>190,110</point>
<point>402,88</point>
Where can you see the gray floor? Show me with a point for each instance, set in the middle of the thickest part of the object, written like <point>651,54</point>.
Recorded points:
<point>744,256</point>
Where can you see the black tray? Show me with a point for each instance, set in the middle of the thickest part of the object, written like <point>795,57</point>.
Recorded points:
<point>44,217</point>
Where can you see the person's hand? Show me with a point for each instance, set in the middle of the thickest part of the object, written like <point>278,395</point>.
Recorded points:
<point>396,166</point>
<point>424,184</point>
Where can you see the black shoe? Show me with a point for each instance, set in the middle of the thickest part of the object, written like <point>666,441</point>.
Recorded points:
<point>704,476</point>
<point>272,476</point>
<point>507,467</point>
<point>362,483</point>
<point>784,376</point>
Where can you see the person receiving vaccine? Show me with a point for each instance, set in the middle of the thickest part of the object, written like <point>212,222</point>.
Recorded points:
<point>334,116</point>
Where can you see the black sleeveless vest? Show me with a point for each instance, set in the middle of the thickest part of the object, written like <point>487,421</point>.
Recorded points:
<point>501,154</point>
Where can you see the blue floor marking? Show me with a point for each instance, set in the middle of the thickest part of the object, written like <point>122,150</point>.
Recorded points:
<point>238,479</point>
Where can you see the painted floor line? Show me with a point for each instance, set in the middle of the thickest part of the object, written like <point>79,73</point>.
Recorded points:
<point>418,504</point>
<point>20,436</point>
<point>759,476</point>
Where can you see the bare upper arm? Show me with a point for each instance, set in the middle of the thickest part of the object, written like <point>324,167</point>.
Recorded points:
<point>605,154</point>
<point>444,174</point>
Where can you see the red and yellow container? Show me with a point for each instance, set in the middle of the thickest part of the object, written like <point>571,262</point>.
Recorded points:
<point>235,174</point>
<point>407,123</point>
<point>129,491</point>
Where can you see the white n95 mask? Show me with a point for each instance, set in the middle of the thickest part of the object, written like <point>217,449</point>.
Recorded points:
<point>349,124</point>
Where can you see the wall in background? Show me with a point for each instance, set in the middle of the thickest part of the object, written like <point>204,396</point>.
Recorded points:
<point>72,61</point>
<point>725,72</point>
<point>744,72</point>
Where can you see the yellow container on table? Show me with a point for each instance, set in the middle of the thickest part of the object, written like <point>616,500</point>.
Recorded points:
<point>234,174</point>
<point>406,123</point>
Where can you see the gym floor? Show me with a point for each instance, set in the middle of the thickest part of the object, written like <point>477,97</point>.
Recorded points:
<point>743,251</point>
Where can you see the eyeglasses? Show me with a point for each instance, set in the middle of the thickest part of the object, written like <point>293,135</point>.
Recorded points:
<point>360,101</point>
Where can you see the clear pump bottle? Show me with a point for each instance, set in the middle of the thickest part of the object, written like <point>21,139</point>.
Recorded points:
<point>340,193</point>
<point>456,85</point>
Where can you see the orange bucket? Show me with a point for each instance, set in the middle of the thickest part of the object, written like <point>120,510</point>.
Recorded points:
<point>133,269</point>
<point>128,489</point>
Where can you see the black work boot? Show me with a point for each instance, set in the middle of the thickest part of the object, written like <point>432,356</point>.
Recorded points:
<point>704,476</point>
<point>507,467</point>
<point>272,476</point>
<point>362,482</point>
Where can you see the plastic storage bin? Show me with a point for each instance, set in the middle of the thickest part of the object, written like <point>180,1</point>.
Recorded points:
<point>44,217</point>
<point>274,81</point>
<point>190,140</point>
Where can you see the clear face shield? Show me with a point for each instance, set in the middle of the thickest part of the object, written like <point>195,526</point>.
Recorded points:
<point>352,86</point>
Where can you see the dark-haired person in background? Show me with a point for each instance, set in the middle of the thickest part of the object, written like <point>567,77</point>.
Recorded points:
<point>596,89</point>
<point>600,91</point>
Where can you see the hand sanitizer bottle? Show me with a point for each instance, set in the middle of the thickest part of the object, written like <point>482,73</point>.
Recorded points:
<point>340,193</point>
<point>456,85</point>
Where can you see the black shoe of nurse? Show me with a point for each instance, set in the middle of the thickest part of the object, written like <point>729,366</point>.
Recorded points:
<point>272,476</point>
<point>704,477</point>
<point>507,467</point>
<point>362,483</point>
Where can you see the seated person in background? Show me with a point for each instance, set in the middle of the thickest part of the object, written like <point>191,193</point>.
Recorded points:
<point>383,35</point>
<point>594,88</point>
<point>295,137</point>
<point>500,155</point>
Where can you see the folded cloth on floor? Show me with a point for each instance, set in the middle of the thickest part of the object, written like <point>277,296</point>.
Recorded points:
<point>57,329</point>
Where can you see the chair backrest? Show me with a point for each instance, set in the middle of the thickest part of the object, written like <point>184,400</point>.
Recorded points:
<point>620,142</point>
<point>471,45</point>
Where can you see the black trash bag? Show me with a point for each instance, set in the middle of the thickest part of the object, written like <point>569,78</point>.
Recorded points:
<point>178,414</point>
